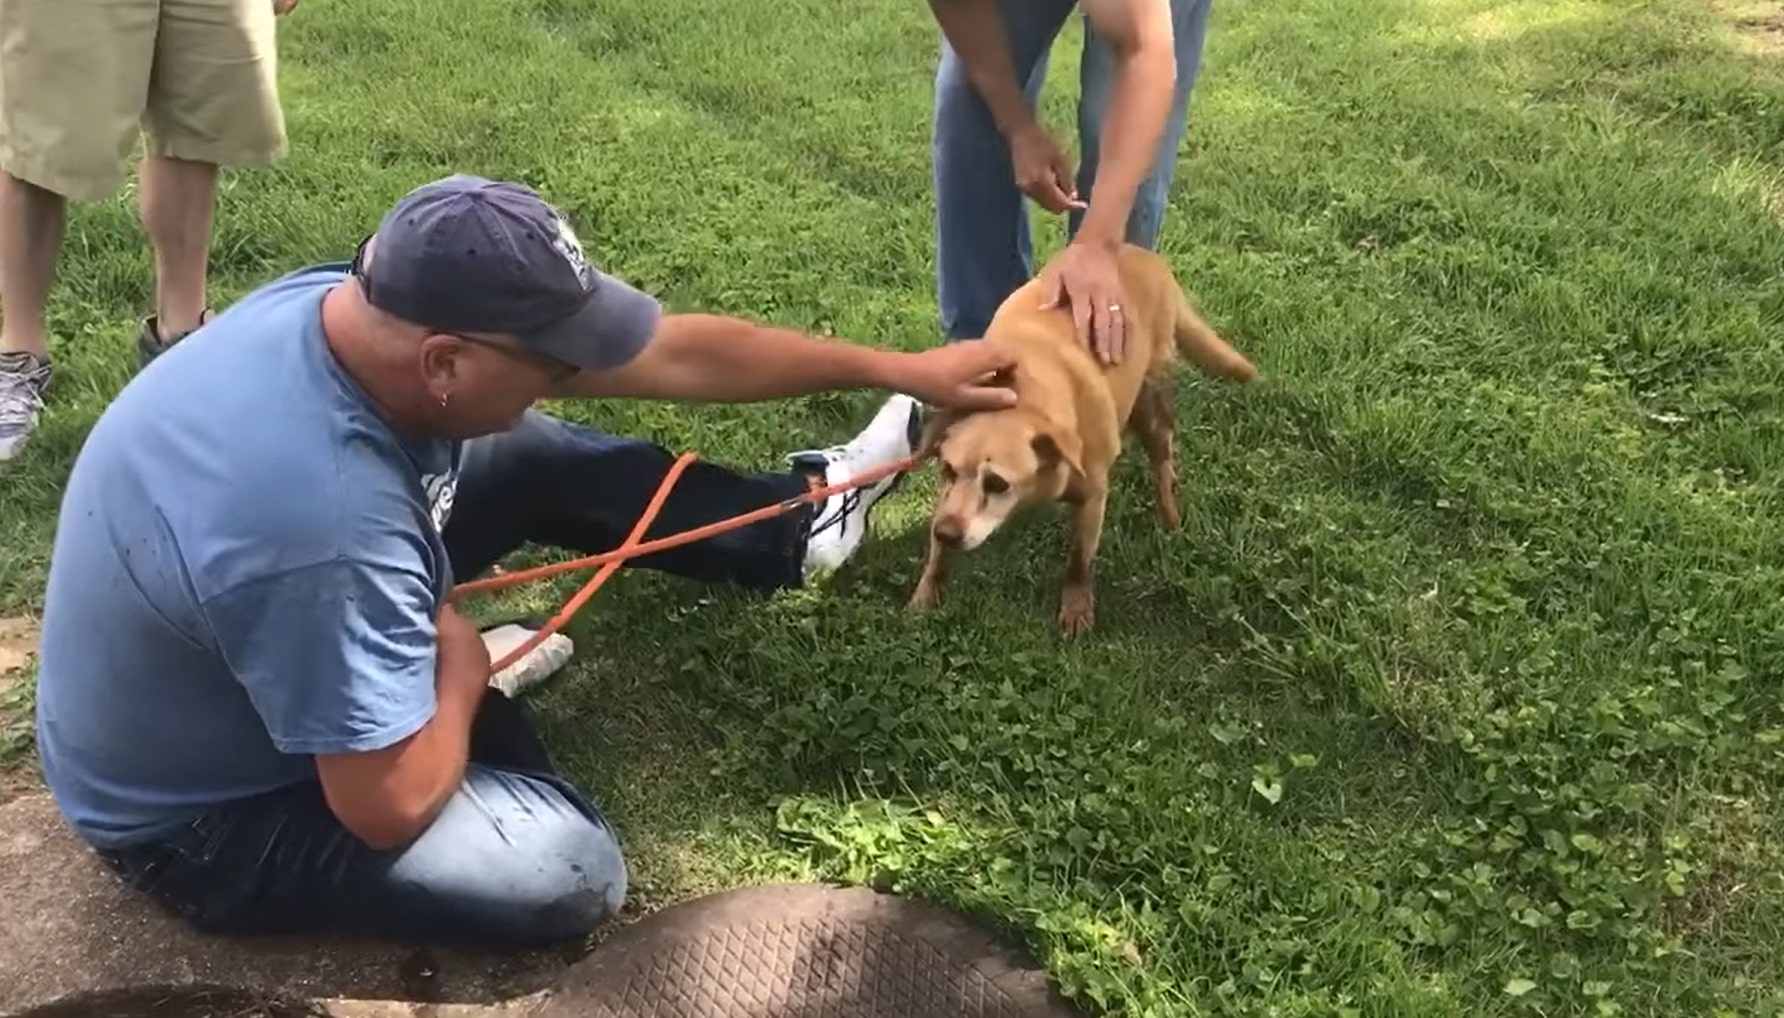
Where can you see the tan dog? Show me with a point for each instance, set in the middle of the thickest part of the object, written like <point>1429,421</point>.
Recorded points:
<point>1060,440</point>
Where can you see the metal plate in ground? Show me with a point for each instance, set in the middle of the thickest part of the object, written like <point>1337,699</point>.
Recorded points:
<point>805,951</point>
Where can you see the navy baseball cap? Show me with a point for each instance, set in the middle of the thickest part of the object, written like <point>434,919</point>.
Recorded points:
<point>466,254</point>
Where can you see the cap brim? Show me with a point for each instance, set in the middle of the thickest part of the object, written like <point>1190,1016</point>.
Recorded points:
<point>611,328</point>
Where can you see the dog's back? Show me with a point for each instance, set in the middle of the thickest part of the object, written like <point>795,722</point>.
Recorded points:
<point>1160,323</point>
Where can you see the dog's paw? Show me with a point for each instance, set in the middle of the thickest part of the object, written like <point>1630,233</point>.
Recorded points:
<point>1169,516</point>
<point>923,599</point>
<point>1077,613</point>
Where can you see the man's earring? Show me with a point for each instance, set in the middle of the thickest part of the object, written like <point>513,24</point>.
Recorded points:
<point>444,396</point>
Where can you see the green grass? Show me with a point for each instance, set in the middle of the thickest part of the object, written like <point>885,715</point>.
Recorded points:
<point>1457,694</point>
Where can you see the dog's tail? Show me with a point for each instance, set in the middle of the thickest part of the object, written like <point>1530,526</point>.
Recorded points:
<point>1201,344</point>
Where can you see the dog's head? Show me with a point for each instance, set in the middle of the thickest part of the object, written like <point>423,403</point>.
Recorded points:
<point>990,464</point>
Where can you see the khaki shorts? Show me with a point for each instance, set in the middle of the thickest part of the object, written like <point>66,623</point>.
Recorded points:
<point>79,79</point>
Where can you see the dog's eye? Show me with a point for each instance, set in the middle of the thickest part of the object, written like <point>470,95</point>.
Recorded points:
<point>947,473</point>
<point>994,484</point>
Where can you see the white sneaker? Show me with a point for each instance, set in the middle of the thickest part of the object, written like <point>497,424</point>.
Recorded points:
<point>23,379</point>
<point>841,522</point>
<point>537,665</point>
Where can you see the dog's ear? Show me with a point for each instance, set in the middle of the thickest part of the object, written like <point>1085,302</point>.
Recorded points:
<point>935,428</point>
<point>1057,448</point>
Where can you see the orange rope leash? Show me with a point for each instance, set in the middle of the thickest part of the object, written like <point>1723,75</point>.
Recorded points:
<point>633,546</point>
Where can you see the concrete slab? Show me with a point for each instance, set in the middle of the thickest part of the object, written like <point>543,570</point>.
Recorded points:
<point>805,951</point>
<point>71,934</point>
<point>75,943</point>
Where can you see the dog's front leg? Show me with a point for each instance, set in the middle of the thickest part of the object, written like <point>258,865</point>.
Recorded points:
<point>1077,596</point>
<point>935,570</point>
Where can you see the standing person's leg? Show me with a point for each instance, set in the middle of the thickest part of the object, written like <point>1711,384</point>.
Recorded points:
<point>213,102</point>
<point>31,225</point>
<point>1189,23</point>
<point>73,77</point>
<point>176,199</point>
<point>983,249</point>
<point>32,222</point>
<point>517,858</point>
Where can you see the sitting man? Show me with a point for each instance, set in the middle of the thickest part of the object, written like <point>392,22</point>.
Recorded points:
<point>255,701</point>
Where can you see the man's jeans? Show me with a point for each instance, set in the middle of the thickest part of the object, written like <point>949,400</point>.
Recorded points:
<point>983,249</point>
<point>518,857</point>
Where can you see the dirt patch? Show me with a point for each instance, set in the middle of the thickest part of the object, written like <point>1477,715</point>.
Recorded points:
<point>18,641</point>
<point>1759,24</point>
<point>186,1003</point>
<point>1766,34</point>
<point>18,644</point>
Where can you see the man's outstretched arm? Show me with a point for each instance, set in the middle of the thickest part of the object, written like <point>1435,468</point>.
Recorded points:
<point>717,359</point>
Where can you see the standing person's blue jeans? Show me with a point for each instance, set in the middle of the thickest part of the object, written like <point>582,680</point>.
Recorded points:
<point>983,249</point>
<point>518,857</point>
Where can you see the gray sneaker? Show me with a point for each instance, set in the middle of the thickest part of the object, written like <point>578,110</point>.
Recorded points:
<point>24,377</point>
<point>150,343</point>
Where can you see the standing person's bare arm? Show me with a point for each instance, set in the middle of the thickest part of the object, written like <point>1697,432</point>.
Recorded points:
<point>1139,32</point>
<point>1084,276</point>
<point>975,29</point>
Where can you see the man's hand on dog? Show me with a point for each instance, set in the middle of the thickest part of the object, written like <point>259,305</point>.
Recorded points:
<point>958,376</point>
<point>1087,277</point>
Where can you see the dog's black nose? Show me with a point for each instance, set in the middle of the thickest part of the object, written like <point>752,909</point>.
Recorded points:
<point>948,533</point>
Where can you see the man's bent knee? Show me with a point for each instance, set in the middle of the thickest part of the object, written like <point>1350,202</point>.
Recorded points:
<point>517,861</point>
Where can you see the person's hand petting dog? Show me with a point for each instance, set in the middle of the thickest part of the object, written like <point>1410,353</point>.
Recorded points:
<point>1085,276</point>
<point>959,376</point>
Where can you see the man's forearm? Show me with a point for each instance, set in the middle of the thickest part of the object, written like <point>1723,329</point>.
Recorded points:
<point>975,30</point>
<point>1132,129</point>
<point>388,797</point>
<point>718,359</point>
<point>461,677</point>
<point>459,687</point>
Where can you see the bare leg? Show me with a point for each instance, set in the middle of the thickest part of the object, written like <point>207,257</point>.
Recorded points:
<point>177,201</point>
<point>1077,597</point>
<point>32,221</point>
<point>1154,422</point>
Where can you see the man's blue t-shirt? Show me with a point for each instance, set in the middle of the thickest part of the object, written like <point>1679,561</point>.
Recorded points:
<point>247,570</point>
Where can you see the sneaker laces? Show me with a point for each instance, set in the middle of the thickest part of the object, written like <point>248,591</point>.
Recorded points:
<point>21,395</point>
<point>847,503</point>
<point>820,461</point>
